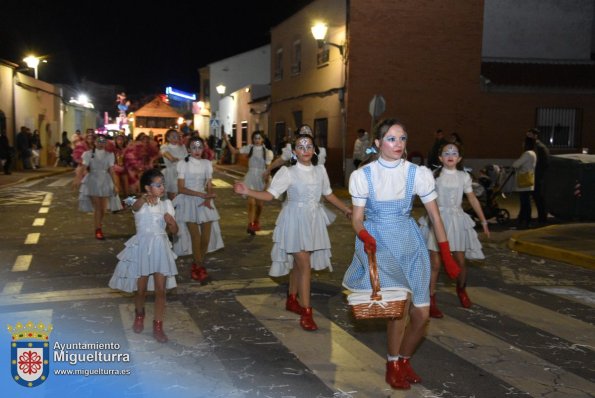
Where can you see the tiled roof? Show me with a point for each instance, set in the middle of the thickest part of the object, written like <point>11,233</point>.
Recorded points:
<point>539,74</point>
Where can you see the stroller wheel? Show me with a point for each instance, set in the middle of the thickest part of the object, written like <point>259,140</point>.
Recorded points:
<point>503,216</point>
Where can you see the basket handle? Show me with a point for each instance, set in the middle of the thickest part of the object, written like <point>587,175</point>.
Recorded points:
<point>373,267</point>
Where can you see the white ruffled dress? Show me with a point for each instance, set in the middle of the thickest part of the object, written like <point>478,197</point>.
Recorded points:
<point>98,180</point>
<point>148,251</point>
<point>170,172</point>
<point>195,173</point>
<point>451,185</point>
<point>302,222</point>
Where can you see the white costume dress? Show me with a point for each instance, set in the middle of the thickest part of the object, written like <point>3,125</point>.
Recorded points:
<point>98,180</point>
<point>195,173</point>
<point>451,185</point>
<point>170,172</point>
<point>256,165</point>
<point>302,223</point>
<point>148,251</point>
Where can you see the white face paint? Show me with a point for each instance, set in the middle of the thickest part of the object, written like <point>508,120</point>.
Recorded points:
<point>196,146</point>
<point>304,145</point>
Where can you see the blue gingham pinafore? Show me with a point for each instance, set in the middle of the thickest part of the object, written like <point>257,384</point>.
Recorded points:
<point>401,252</point>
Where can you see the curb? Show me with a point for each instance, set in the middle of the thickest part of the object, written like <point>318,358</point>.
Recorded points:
<point>519,244</point>
<point>36,177</point>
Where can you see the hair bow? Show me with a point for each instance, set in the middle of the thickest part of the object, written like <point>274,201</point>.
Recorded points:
<point>370,150</point>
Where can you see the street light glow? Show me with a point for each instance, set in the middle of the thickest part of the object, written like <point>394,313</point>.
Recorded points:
<point>319,30</point>
<point>221,89</point>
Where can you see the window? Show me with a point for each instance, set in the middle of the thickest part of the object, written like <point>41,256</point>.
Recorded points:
<point>559,127</point>
<point>320,132</point>
<point>2,121</point>
<point>279,136</point>
<point>279,64</point>
<point>298,118</point>
<point>296,64</point>
<point>206,90</point>
<point>245,133</point>
<point>322,55</point>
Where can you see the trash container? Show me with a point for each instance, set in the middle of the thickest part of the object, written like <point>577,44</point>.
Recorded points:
<point>560,178</point>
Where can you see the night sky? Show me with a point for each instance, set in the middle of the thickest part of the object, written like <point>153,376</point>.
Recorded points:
<point>138,47</point>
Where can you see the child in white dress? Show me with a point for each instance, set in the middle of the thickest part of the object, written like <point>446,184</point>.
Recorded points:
<point>451,183</point>
<point>172,151</point>
<point>148,262</point>
<point>300,239</point>
<point>97,181</point>
<point>259,157</point>
<point>197,217</point>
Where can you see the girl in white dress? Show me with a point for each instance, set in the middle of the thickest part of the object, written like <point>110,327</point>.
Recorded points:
<point>300,239</point>
<point>97,181</point>
<point>173,151</point>
<point>148,262</point>
<point>451,183</point>
<point>197,217</point>
<point>259,157</point>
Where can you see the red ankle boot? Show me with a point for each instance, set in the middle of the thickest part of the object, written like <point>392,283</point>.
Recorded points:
<point>99,234</point>
<point>434,311</point>
<point>251,229</point>
<point>463,298</point>
<point>306,321</point>
<point>395,375</point>
<point>410,374</point>
<point>256,226</point>
<point>158,332</point>
<point>139,319</point>
<point>293,305</point>
<point>199,273</point>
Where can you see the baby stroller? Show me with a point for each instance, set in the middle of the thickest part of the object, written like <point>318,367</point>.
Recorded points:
<point>493,181</point>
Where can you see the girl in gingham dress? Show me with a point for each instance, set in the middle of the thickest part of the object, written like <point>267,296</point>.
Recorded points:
<point>383,191</point>
<point>301,241</point>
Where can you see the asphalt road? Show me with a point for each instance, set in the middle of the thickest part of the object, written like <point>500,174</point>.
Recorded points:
<point>529,333</point>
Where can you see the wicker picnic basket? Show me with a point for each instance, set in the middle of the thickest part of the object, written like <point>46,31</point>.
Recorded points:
<point>375,306</point>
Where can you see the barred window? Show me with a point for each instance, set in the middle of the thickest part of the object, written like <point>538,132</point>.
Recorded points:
<point>279,64</point>
<point>296,64</point>
<point>559,127</point>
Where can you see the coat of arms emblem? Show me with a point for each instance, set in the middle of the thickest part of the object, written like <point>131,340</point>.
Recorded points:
<point>30,353</point>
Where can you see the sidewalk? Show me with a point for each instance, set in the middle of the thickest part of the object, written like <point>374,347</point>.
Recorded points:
<point>18,177</point>
<point>568,242</point>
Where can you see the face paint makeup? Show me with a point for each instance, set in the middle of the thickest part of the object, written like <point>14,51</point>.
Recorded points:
<point>392,139</point>
<point>450,150</point>
<point>101,140</point>
<point>156,184</point>
<point>196,146</point>
<point>306,130</point>
<point>304,145</point>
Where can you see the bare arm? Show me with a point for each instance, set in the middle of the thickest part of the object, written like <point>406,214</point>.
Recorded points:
<point>437,225</point>
<point>477,208</point>
<point>332,198</point>
<point>241,188</point>
<point>233,149</point>
<point>357,218</point>
<point>172,225</point>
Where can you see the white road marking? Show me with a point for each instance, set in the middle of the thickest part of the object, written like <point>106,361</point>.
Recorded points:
<point>579,295</point>
<point>61,182</point>
<point>12,288</point>
<point>44,210</point>
<point>22,263</point>
<point>32,238</point>
<point>39,222</point>
<point>47,200</point>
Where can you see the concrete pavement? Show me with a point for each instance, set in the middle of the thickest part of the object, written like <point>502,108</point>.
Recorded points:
<point>569,242</point>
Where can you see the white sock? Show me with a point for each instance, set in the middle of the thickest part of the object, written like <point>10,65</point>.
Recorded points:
<point>392,358</point>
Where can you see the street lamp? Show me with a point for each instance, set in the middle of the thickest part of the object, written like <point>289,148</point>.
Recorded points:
<point>319,31</point>
<point>220,89</point>
<point>33,62</point>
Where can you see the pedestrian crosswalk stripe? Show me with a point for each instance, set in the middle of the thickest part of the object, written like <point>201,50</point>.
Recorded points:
<point>522,370</point>
<point>12,288</point>
<point>219,183</point>
<point>61,182</point>
<point>573,293</point>
<point>563,326</point>
<point>173,367</point>
<point>338,359</point>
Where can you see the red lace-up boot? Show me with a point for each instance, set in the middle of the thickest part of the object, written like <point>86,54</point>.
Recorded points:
<point>463,298</point>
<point>306,321</point>
<point>99,234</point>
<point>198,273</point>
<point>158,332</point>
<point>139,319</point>
<point>395,375</point>
<point>293,305</point>
<point>434,311</point>
<point>410,374</point>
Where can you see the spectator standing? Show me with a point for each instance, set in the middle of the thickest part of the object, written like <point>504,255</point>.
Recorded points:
<point>5,152</point>
<point>525,164</point>
<point>359,147</point>
<point>24,147</point>
<point>541,166</point>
